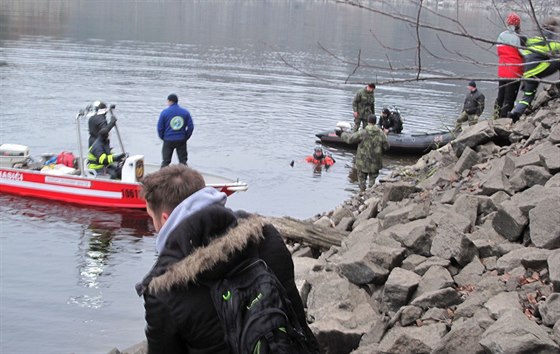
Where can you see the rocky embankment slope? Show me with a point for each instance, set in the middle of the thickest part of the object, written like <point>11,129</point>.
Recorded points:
<point>456,254</point>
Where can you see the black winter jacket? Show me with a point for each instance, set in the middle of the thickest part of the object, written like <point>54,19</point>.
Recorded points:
<point>97,125</point>
<point>206,245</point>
<point>474,103</point>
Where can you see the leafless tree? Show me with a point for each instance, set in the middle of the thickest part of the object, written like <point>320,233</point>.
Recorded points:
<point>447,27</point>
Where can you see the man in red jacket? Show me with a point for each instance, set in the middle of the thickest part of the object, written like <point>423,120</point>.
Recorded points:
<point>510,65</point>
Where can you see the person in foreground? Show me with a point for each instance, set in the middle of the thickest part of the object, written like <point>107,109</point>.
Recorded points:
<point>175,126</point>
<point>363,105</point>
<point>101,159</point>
<point>371,144</point>
<point>472,108</point>
<point>199,240</point>
<point>541,61</point>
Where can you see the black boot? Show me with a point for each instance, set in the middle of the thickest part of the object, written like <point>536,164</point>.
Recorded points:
<point>514,116</point>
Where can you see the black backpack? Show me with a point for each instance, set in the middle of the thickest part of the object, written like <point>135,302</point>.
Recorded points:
<point>255,312</point>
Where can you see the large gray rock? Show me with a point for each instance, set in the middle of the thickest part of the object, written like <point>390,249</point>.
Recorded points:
<point>514,333</point>
<point>398,191</point>
<point>397,216</point>
<point>473,136</point>
<point>503,302</point>
<point>472,304</point>
<point>340,213</point>
<point>450,218</point>
<point>529,176</point>
<point>554,136</point>
<point>554,270</point>
<point>530,158</point>
<point>362,234</point>
<point>436,278</point>
<point>496,179</point>
<point>470,274</point>
<point>530,198</point>
<point>439,298</point>
<point>449,243</point>
<point>468,159</point>
<point>509,221</point>
<point>550,309</point>
<point>463,338</point>
<point>520,257</point>
<point>399,287</point>
<point>467,205</point>
<point>554,181</point>
<point>416,235</point>
<point>545,224</point>
<point>412,340</point>
<point>423,267</point>
<point>340,312</point>
<point>370,211</point>
<point>523,128</point>
<point>502,126</point>
<point>369,263</point>
<point>550,156</point>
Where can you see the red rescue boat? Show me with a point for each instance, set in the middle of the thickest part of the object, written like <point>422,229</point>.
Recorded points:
<point>22,175</point>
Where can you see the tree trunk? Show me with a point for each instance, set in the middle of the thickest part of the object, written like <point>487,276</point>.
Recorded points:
<point>307,233</point>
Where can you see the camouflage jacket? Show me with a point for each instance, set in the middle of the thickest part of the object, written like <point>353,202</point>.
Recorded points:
<point>364,103</point>
<point>372,141</point>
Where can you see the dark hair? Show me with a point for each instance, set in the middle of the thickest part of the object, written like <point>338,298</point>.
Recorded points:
<point>173,98</point>
<point>168,187</point>
<point>372,119</point>
<point>371,85</point>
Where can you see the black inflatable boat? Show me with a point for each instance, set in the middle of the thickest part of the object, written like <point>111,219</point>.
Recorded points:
<point>413,143</point>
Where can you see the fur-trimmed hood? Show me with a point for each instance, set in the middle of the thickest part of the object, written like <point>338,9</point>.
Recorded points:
<point>197,252</point>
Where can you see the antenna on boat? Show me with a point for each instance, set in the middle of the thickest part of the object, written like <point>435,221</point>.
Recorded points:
<point>111,107</point>
<point>82,168</point>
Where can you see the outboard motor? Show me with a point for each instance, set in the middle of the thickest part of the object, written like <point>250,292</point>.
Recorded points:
<point>344,126</point>
<point>133,169</point>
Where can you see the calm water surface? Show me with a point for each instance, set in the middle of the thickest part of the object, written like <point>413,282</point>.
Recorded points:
<point>68,273</point>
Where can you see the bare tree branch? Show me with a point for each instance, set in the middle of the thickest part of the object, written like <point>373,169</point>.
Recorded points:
<point>418,41</point>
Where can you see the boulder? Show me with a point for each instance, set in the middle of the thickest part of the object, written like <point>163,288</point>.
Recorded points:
<point>553,262</point>
<point>473,136</point>
<point>544,224</point>
<point>513,332</point>
<point>463,338</point>
<point>399,287</point>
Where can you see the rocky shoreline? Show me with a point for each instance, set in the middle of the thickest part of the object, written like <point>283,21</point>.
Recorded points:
<point>456,254</point>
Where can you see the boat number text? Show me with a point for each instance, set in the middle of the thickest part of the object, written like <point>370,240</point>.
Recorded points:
<point>130,193</point>
<point>14,176</point>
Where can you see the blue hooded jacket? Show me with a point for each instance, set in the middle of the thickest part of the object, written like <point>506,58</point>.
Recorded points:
<point>175,124</point>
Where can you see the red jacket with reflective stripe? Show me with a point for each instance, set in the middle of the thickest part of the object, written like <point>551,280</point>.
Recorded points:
<point>508,55</point>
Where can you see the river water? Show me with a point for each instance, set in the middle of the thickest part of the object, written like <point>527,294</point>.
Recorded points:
<point>68,273</point>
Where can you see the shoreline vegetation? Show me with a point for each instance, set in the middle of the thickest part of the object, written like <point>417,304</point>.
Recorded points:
<point>459,253</point>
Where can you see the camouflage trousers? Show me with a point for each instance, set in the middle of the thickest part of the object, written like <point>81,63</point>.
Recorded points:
<point>357,122</point>
<point>362,178</point>
<point>471,118</point>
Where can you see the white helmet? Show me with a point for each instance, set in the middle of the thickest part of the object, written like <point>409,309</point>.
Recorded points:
<point>97,105</point>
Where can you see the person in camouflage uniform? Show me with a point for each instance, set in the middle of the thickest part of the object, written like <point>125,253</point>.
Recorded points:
<point>371,144</point>
<point>363,105</point>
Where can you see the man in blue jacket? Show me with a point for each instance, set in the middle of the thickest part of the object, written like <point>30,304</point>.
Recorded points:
<point>175,126</point>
